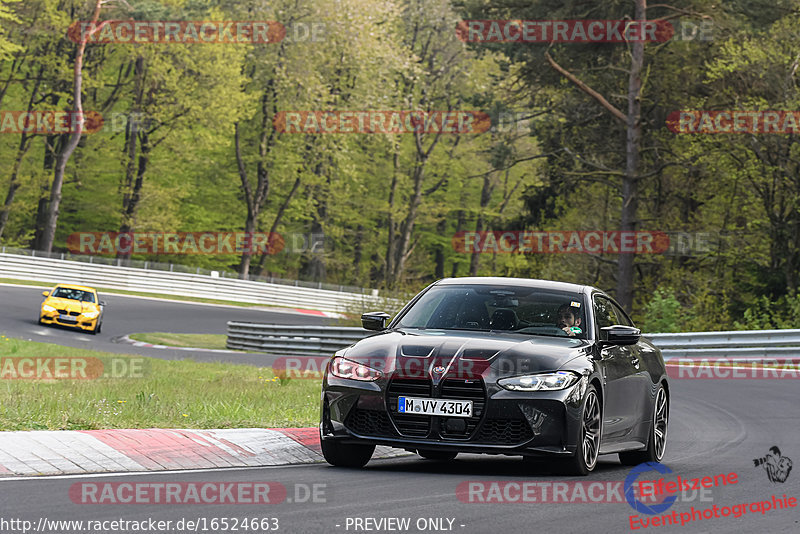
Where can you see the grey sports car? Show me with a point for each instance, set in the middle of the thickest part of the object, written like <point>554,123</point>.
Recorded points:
<point>499,366</point>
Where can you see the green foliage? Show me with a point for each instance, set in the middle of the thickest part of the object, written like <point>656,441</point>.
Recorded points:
<point>766,314</point>
<point>662,313</point>
<point>558,169</point>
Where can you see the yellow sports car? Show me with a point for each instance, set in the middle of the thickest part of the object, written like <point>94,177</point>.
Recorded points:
<point>75,306</point>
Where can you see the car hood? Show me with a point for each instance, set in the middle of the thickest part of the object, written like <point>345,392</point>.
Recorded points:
<point>468,354</point>
<point>70,305</point>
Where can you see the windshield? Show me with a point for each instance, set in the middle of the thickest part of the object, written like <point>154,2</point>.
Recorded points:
<point>518,309</point>
<point>73,294</point>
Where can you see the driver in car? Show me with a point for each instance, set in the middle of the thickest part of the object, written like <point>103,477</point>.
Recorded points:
<point>569,319</point>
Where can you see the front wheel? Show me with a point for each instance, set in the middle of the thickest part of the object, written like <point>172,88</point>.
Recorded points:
<point>657,440</point>
<point>346,454</point>
<point>585,458</point>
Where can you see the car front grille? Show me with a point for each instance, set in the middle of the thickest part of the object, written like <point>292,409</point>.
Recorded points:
<point>504,431</point>
<point>454,388</point>
<point>421,426</point>
<point>408,424</point>
<point>72,313</point>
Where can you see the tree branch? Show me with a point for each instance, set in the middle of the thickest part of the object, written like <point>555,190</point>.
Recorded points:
<point>586,89</point>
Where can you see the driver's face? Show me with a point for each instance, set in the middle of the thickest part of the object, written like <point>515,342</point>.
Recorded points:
<point>566,318</point>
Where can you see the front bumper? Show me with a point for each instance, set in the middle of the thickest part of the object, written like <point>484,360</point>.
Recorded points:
<point>505,422</point>
<point>75,321</point>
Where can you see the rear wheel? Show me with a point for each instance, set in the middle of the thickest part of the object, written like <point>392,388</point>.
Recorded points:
<point>441,456</point>
<point>585,458</point>
<point>346,454</point>
<point>657,440</point>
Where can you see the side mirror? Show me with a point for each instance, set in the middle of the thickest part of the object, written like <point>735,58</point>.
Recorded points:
<point>619,335</point>
<point>102,303</point>
<point>375,320</point>
<point>45,293</point>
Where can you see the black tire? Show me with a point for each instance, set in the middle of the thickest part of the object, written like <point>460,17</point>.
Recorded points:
<point>439,456</point>
<point>657,438</point>
<point>346,454</point>
<point>99,328</point>
<point>584,460</point>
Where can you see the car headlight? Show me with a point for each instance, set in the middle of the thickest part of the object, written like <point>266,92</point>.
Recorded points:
<point>48,308</point>
<point>344,368</point>
<point>91,314</point>
<point>540,382</point>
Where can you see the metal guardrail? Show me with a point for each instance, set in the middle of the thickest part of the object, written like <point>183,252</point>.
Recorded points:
<point>282,340</point>
<point>178,268</point>
<point>51,270</point>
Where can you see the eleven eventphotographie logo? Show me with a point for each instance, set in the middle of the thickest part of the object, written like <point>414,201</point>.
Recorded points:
<point>777,467</point>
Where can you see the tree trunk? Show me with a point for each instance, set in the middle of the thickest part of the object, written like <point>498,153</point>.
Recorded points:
<point>69,147</point>
<point>391,225</point>
<point>486,196</point>
<point>630,183</point>
<point>134,173</point>
<point>22,149</point>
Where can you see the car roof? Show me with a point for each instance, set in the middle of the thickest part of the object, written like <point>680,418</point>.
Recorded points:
<point>72,286</point>
<point>526,282</point>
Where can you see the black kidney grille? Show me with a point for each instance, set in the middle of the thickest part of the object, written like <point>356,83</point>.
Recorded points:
<point>369,423</point>
<point>408,424</point>
<point>454,388</point>
<point>505,431</point>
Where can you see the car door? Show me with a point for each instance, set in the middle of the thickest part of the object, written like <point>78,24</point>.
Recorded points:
<point>641,385</point>
<point>620,411</point>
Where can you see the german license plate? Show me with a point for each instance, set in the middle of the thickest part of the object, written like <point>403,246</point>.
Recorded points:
<point>67,318</point>
<point>445,407</point>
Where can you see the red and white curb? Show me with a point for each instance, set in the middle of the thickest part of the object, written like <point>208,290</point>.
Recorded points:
<point>62,452</point>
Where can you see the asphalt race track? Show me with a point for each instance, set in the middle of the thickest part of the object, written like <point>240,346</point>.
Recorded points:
<point>124,315</point>
<point>716,427</point>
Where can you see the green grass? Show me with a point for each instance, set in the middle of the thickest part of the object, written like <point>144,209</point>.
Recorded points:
<point>162,394</point>
<point>197,341</point>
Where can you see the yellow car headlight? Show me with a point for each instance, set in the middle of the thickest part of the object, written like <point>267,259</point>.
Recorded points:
<point>48,308</point>
<point>91,314</point>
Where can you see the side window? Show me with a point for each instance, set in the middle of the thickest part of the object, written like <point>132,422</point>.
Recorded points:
<point>604,313</point>
<point>621,317</point>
